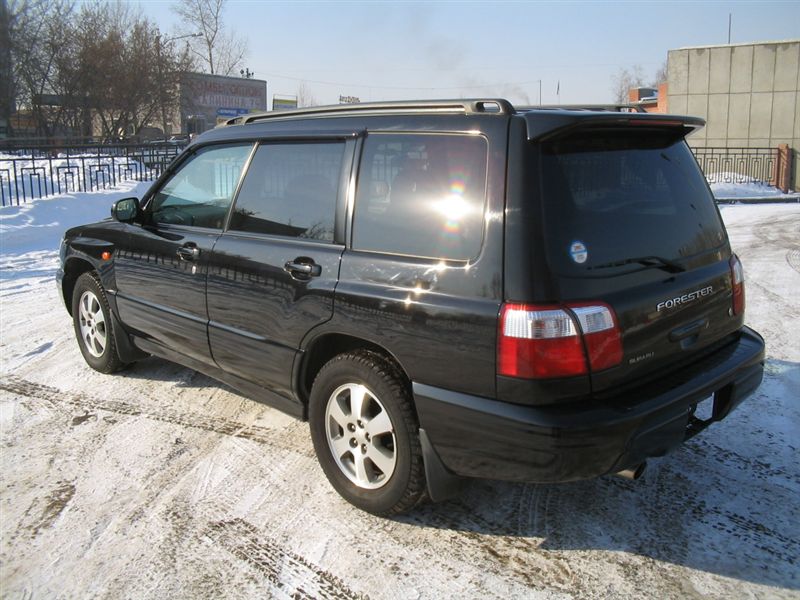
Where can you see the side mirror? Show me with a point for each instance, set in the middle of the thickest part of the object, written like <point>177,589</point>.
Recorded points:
<point>125,210</point>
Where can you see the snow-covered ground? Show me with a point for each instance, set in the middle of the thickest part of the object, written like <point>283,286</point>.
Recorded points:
<point>731,186</point>
<point>23,178</point>
<point>160,483</point>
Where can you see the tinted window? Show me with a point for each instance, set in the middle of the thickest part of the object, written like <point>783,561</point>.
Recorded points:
<point>291,189</point>
<point>421,195</point>
<point>617,196</point>
<point>201,191</point>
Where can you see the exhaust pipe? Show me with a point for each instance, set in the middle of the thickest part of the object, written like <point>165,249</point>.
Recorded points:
<point>634,472</point>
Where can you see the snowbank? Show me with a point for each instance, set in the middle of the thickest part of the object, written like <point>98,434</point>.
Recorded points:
<point>39,224</point>
<point>733,186</point>
<point>25,178</point>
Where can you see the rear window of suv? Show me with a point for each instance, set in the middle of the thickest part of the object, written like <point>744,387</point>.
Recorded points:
<point>421,195</point>
<point>613,196</point>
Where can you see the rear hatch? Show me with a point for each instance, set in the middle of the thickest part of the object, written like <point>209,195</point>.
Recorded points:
<point>628,220</point>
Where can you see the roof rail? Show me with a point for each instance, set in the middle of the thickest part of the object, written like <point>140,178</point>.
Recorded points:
<point>586,107</point>
<point>471,106</point>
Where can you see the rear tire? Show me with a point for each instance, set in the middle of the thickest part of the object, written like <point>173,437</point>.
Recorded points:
<point>91,317</point>
<point>366,435</point>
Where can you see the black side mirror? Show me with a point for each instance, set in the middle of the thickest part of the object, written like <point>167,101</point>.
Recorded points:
<point>125,210</point>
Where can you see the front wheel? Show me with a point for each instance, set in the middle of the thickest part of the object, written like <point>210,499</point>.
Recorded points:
<point>91,317</point>
<point>366,435</point>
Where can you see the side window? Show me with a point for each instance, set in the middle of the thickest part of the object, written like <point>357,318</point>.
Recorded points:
<point>290,189</point>
<point>421,195</point>
<point>200,192</point>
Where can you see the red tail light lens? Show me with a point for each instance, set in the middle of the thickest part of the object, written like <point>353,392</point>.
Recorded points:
<point>540,342</point>
<point>737,282</point>
<point>601,334</point>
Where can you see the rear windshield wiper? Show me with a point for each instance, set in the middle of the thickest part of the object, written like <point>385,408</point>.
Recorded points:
<point>648,261</point>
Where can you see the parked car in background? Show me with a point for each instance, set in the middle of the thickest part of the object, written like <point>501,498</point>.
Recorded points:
<point>444,289</point>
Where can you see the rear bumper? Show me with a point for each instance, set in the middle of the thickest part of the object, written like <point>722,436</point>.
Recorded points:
<point>480,437</point>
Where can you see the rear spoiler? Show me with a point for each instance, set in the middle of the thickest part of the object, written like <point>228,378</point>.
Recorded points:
<point>548,124</point>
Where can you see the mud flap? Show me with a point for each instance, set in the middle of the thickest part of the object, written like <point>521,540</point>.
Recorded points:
<point>128,353</point>
<point>442,484</point>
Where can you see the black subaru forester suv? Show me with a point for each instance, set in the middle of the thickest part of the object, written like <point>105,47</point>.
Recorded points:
<point>444,289</point>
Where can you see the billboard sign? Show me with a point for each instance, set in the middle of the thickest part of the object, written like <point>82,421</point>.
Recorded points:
<point>212,99</point>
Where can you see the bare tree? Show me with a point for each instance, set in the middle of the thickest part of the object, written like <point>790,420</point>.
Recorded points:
<point>219,52</point>
<point>35,30</point>
<point>74,71</point>
<point>661,74</point>
<point>624,80</point>
<point>6,71</point>
<point>304,96</point>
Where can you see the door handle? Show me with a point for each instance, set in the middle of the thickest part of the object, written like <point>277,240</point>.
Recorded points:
<point>693,328</point>
<point>188,252</point>
<point>302,268</point>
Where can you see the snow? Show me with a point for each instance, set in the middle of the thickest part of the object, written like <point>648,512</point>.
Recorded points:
<point>30,178</point>
<point>40,224</point>
<point>734,185</point>
<point>159,482</point>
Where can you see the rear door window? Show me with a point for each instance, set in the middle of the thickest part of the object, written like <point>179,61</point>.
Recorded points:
<point>615,196</point>
<point>421,195</point>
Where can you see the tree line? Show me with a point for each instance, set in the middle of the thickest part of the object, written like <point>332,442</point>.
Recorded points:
<point>77,68</point>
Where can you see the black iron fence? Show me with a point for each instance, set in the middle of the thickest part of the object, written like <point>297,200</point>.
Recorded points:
<point>739,165</point>
<point>29,171</point>
<point>36,171</point>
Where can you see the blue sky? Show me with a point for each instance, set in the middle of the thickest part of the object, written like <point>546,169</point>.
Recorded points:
<point>402,50</point>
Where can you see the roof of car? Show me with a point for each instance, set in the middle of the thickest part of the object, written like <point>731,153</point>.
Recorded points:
<point>462,106</point>
<point>542,122</point>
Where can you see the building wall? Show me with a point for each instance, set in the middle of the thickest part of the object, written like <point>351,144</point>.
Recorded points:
<point>749,94</point>
<point>659,105</point>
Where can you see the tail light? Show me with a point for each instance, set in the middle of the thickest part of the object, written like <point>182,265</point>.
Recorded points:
<point>737,281</point>
<point>539,342</point>
<point>600,333</point>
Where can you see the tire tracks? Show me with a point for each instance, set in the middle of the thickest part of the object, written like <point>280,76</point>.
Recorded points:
<point>793,258</point>
<point>281,567</point>
<point>759,469</point>
<point>281,440</point>
<point>289,572</point>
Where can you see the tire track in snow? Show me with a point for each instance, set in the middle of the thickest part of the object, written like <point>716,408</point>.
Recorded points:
<point>280,566</point>
<point>287,570</point>
<point>793,258</point>
<point>759,469</point>
<point>262,435</point>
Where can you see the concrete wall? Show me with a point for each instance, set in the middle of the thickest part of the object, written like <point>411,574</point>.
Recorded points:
<point>749,94</point>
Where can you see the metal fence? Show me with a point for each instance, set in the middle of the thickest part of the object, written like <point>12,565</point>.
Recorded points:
<point>36,171</point>
<point>39,170</point>
<point>739,165</point>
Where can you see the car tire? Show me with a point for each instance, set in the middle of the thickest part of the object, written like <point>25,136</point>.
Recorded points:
<point>372,457</point>
<point>91,317</point>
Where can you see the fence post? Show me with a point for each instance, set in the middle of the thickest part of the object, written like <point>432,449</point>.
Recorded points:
<point>783,168</point>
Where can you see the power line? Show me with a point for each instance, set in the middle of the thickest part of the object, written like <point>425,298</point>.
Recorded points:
<point>400,87</point>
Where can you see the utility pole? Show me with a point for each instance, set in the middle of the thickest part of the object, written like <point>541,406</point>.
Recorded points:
<point>540,92</point>
<point>730,18</point>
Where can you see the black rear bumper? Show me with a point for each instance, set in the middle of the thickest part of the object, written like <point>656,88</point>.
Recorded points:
<point>480,437</point>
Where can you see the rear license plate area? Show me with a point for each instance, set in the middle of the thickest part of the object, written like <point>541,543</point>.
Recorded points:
<point>700,416</point>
